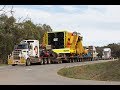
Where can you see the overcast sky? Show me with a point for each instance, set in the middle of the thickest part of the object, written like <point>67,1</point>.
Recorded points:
<point>98,24</point>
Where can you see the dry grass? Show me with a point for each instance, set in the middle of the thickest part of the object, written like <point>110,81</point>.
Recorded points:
<point>107,71</point>
<point>3,64</point>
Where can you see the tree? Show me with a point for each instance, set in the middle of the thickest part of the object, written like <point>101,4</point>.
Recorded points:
<point>11,33</point>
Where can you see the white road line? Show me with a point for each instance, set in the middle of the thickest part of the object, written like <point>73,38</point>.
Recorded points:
<point>28,69</point>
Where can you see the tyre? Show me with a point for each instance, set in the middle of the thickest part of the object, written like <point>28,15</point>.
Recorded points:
<point>78,60</point>
<point>41,63</point>
<point>60,61</point>
<point>48,61</point>
<point>13,64</point>
<point>28,63</point>
<point>70,60</point>
<point>73,60</point>
<point>45,61</point>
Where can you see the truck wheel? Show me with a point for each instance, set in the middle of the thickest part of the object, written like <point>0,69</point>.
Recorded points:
<point>41,62</point>
<point>45,61</point>
<point>73,60</point>
<point>60,61</point>
<point>28,63</point>
<point>13,64</point>
<point>70,61</point>
<point>49,61</point>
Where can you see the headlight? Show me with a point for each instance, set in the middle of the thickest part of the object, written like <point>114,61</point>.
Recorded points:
<point>24,51</point>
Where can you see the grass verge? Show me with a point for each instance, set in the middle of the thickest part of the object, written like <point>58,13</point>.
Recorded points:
<point>3,64</point>
<point>107,71</point>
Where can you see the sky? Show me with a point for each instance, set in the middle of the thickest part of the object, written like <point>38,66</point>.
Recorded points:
<point>98,24</point>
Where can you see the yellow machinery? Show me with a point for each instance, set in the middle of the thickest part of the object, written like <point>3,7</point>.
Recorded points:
<point>59,42</point>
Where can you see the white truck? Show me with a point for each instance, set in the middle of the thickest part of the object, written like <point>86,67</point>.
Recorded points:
<point>92,50</point>
<point>26,52</point>
<point>106,53</point>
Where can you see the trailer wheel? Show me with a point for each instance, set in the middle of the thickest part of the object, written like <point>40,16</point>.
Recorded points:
<point>28,63</point>
<point>69,60</point>
<point>73,60</point>
<point>60,61</point>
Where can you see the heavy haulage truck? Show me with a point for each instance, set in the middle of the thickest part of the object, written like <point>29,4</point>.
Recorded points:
<point>57,47</point>
<point>28,52</point>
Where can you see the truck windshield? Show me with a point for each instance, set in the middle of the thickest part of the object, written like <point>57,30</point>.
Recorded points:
<point>22,46</point>
<point>106,52</point>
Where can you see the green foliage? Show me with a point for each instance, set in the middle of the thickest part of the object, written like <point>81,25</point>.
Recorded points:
<point>99,50</point>
<point>11,33</point>
<point>115,49</point>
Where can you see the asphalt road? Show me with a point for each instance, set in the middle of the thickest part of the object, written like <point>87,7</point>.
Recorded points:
<point>45,75</point>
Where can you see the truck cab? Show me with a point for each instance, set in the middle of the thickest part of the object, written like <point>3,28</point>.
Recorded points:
<point>106,53</point>
<point>24,53</point>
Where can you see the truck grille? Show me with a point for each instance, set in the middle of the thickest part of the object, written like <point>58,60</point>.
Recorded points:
<point>16,54</point>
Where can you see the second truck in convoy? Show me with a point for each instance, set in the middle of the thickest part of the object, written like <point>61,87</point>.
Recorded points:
<point>56,47</point>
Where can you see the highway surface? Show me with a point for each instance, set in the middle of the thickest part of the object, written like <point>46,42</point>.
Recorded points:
<point>45,75</point>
